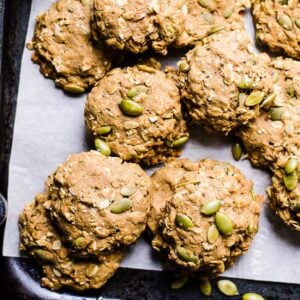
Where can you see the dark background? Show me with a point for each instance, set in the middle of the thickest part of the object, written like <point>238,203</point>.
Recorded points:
<point>19,278</point>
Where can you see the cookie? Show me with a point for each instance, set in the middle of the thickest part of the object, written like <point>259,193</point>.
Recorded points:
<point>277,25</point>
<point>41,240</point>
<point>276,132</point>
<point>136,111</point>
<point>284,193</point>
<point>210,217</point>
<point>99,203</point>
<point>223,86</point>
<point>138,25</point>
<point>206,17</point>
<point>64,49</point>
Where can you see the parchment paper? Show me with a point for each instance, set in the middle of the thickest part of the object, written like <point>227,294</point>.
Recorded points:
<point>49,126</point>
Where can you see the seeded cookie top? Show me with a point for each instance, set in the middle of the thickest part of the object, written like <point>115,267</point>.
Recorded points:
<point>203,18</point>
<point>99,203</point>
<point>225,85</point>
<point>209,218</point>
<point>137,25</point>
<point>63,46</point>
<point>40,238</point>
<point>137,112</point>
<point>277,25</point>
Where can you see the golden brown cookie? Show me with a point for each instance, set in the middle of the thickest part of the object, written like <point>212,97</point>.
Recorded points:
<point>277,25</point>
<point>99,203</point>
<point>224,85</point>
<point>136,111</point>
<point>41,240</point>
<point>64,49</point>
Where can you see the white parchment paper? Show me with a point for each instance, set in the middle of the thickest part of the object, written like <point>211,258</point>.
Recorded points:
<point>49,127</point>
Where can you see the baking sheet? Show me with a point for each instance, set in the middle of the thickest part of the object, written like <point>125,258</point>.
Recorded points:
<point>49,126</point>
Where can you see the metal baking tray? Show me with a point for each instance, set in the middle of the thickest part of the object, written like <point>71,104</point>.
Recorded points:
<point>20,276</point>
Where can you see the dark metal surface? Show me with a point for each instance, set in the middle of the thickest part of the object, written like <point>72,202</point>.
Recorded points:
<point>19,278</point>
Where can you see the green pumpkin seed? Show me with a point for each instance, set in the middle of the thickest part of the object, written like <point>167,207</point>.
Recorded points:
<point>269,100</point>
<point>102,147</point>
<point>131,108</point>
<point>183,67</point>
<point>276,113</point>
<point>246,83</point>
<point>237,151</point>
<point>73,88</point>
<point>228,12</point>
<point>180,142</point>
<point>224,223</point>
<point>275,76</point>
<point>120,206</point>
<point>212,234</point>
<point>43,254</point>
<point>252,296</point>
<point>297,22</point>
<point>146,68</point>
<point>184,221</point>
<point>290,181</point>
<point>216,28</point>
<point>291,91</point>
<point>184,255</point>
<point>80,242</point>
<point>211,207</point>
<point>284,21</point>
<point>297,205</point>
<point>132,92</point>
<point>127,191</point>
<point>205,287</point>
<point>180,282</point>
<point>104,130</point>
<point>209,18</point>
<point>291,165</point>
<point>227,287</point>
<point>209,4</point>
<point>255,98</point>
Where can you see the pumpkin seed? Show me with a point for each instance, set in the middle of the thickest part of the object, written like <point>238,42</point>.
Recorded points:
<point>80,242</point>
<point>183,67</point>
<point>45,255</point>
<point>246,83</point>
<point>237,151</point>
<point>131,108</point>
<point>127,191</point>
<point>269,100</point>
<point>252,296</point>
<point>228,12</point>
<point>209,4</point>
<point>284,21</point>
<point>291,91</point>
<point>146,68</point>
<point>212,234</point>
<point>104,130</point>
<point>205,287</point>
<point>180,282</point>
<point>132,92</point>
<point>254,98</point>
<point>216,28</point>
<point>227,287</point>
<point>180,142</point>
<point>184,221</point>
<point>291,165</point>
<point>276,113</point>
<point>209,18</point>
<point>224,223</point>
<point>275,76</point>
<point>184,255</point>
<point>73,88</point>
<point>290,181</point>
<point>120,206</point>
<point>297,22</point>
<point>102,147</point>
<point>297,205</point>
<point>211,207</point>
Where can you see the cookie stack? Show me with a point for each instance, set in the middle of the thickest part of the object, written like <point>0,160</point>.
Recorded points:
<point>201,215</point>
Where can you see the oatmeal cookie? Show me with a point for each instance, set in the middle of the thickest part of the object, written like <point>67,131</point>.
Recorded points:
<point>136,113</point>
<point>64,49</point>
